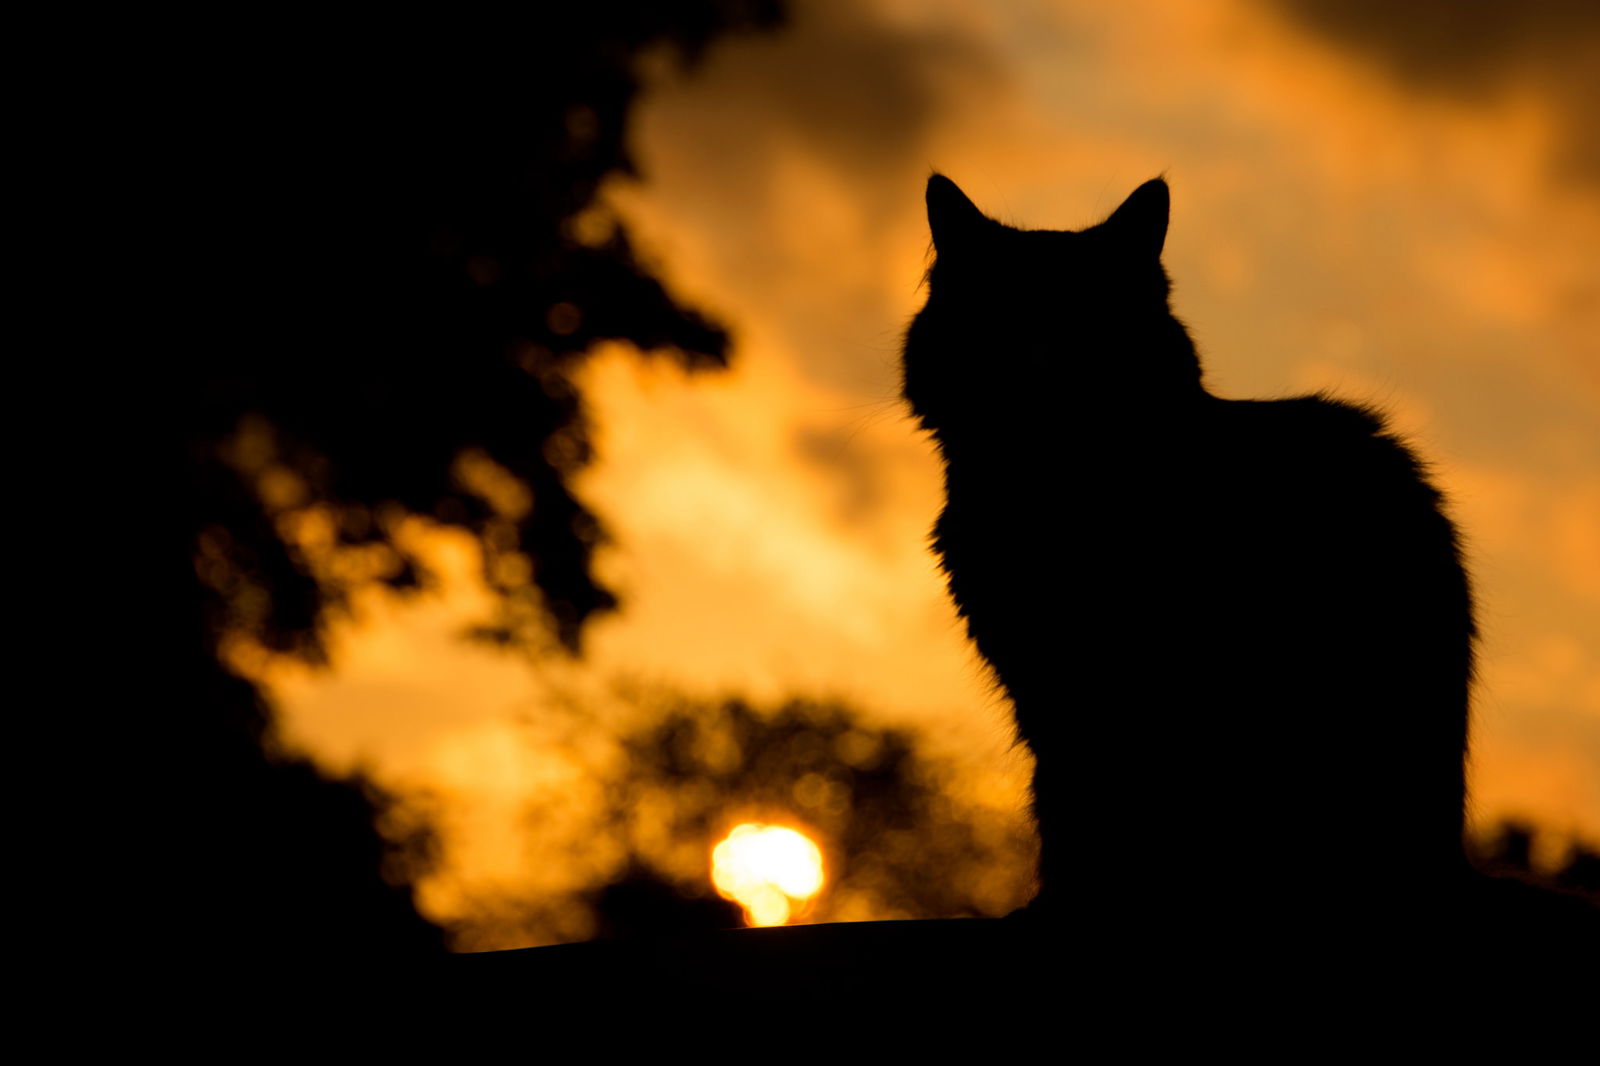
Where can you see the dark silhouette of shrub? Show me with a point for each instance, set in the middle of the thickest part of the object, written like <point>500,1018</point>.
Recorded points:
<point>386,258</point>
<point>896,839</point>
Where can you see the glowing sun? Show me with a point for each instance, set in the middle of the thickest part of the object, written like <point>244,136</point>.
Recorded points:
<point>769,870</point>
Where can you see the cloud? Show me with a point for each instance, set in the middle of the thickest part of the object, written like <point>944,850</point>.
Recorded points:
<point>1333,227</point>
<point>801,155</point>
<point>1478,49</point>
<point>849,82</point>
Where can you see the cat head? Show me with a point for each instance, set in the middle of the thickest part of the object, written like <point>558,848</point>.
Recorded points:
<point>1016,316</point>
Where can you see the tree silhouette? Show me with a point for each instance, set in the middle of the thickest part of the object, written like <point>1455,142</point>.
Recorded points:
<point>897,840</point>
<point>392,259</point>
<point>1506,850</point>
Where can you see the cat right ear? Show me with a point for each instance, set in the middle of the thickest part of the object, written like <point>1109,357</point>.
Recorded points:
<point>1142,218</point>
<point>953,218</point>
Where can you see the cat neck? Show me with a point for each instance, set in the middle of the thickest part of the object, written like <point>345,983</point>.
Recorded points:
<point>1034,430</point>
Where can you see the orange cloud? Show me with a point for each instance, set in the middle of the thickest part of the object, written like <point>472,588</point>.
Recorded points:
<point>1333,227</point>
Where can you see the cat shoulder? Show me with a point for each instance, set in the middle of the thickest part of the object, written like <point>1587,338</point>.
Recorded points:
<point>1360,451</point>
<point>1327,415</point>
<point>1342,427</point>
<point>1334,449</point>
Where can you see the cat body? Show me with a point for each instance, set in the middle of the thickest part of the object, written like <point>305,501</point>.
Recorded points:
<point>1238,635</point>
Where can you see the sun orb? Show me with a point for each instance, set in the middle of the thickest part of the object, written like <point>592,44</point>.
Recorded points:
<point>769,870</point>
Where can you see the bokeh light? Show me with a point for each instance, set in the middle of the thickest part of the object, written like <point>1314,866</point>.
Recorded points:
<point>769,870</point>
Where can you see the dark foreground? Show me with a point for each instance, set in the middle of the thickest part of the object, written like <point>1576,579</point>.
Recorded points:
<point>1502,939</point>
<point>1506,957</point>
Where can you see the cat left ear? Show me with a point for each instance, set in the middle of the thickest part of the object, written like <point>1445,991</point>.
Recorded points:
<point>952,218</point>
<point>1142,218</point>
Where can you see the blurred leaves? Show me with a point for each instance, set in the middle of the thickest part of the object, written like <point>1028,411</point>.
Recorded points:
<point>375,255</point>
<point>898,840</point>
<point>403,261</point>
<point>895,841</point>
<point>1511,849</point>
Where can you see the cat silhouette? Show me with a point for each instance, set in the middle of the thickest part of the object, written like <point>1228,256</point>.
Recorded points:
<point>1238,634</point>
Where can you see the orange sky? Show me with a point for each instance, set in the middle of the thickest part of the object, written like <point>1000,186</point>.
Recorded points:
<point>1337,223</point>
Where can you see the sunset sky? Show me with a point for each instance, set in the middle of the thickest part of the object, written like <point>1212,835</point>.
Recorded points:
<point>1359,205</point>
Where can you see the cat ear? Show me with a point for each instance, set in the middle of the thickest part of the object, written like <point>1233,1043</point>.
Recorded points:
<point>1142,218</point>
<point>952,217</point>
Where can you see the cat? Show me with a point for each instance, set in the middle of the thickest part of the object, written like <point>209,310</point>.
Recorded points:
<point>1238,635</point>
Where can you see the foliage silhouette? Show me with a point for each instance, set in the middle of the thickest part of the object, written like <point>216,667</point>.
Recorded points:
<point>896,840</point>
<point>394,258</point>
<point>643,903</point>
<point>1507,851</point>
